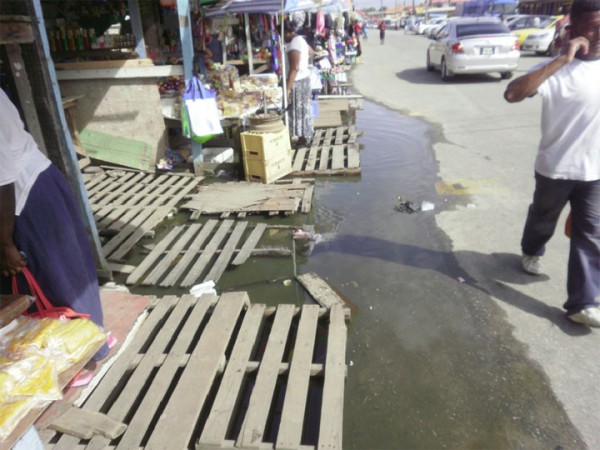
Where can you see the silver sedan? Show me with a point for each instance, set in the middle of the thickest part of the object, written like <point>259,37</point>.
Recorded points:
<point>474,45</point>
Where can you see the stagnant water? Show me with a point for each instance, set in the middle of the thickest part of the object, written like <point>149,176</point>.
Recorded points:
<point>432,362</point>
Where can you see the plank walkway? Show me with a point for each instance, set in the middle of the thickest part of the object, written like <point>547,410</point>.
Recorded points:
<point>333,151</point>
<point>242,198</point>
<point>131,204</point>
<point>190,254</point>
<point>222,372</point>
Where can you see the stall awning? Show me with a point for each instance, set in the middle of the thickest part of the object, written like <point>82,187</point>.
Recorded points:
<point>267,6</point>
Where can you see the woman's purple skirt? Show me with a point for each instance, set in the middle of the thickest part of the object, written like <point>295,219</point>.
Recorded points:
<point>50,232</point>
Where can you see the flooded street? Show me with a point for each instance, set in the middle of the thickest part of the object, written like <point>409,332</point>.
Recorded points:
<point>450,345</point>
<point>434,364</point>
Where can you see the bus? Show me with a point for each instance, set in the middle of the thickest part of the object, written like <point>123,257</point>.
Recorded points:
<point>487,8</point>
<point>545,7</point>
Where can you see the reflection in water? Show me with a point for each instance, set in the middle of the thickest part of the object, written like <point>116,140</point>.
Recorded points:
<point>434,361</point>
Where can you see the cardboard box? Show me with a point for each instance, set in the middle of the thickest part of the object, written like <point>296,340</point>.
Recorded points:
<point>267,171</point>
<point>264,146</point>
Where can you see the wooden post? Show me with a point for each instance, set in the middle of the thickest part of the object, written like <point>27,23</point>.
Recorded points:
<point>248,43</point>
<point>62,152</point>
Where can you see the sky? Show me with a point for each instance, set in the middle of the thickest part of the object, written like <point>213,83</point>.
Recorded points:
<point>363,4</point>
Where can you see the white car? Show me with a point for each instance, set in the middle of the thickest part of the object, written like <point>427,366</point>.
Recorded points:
<point>539,41</point>
<point>432,31</point>
<point>424,27</point>
<point>468,45</point>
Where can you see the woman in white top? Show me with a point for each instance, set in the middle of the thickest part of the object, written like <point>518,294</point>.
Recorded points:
<point>40,226</point>
<point>298,85</point>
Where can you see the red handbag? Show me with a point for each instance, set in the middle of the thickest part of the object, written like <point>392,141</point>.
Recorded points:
<point>45,308</point>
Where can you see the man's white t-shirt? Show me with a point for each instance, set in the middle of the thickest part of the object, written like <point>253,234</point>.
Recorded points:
<point>570,144</point>
<point>20,159</point>
<point>300,44</point>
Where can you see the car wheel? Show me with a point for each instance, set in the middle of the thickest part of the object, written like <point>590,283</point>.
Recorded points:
<point>444,71</point>
<point>429,65</point>
<point>506,75</point>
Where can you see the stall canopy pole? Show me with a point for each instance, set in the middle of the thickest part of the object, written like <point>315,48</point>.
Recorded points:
<point>136,27</point>
<point>283,63</point>
<point>248,43</point>
<point>187,51</point>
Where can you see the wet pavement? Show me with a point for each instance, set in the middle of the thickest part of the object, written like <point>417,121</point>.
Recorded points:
<point>433,362</point>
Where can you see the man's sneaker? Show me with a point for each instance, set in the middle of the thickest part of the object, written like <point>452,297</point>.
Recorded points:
<point>588,316</point>
<point>532,264</point>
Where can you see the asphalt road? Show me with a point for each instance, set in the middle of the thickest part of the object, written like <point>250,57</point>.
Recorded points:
<point>483,151</point>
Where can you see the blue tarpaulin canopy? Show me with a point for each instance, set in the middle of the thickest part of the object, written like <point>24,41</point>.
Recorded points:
<point>266,6</point>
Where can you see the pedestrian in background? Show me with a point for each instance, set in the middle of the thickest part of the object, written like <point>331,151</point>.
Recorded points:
<point>298,85</point>
<point>382,32</point>
<point>567,167</point>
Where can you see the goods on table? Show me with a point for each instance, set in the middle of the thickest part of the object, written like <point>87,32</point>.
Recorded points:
<point>32,354</point>
<point>249,94</point>
<point>171,85</point>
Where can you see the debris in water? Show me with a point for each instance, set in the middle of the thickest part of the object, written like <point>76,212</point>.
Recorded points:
<point>406,206</point>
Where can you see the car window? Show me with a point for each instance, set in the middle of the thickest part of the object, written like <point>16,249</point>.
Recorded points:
<point>519,23</point>
<point>443,33</point>
<point>473,29</point>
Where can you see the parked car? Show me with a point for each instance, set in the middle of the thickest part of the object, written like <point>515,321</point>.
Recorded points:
<point>424,27</point>
<point>539,41</point>
<point>473,45</point>
<point>432,31</point>
<point>544,23</point>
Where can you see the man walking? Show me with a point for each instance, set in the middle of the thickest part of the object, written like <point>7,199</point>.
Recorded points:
<point>382,32</point>
<point>567,167</point>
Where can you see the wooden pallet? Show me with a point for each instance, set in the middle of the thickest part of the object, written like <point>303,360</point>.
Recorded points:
<point>195,253</point>
<point>282,197</point>
<point>333,151</point>
<point>131,204</point>
<point>208,373</point>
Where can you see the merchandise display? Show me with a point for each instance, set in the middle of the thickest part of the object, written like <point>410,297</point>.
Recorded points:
<point>33,352</point>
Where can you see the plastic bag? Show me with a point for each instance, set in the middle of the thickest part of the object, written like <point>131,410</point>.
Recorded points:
<point>200,120</point>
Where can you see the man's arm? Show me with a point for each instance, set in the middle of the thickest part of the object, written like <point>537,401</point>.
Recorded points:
<point>528,84</point>
<point>11,260</point>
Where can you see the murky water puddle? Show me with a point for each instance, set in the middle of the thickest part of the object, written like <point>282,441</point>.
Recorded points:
<point>432,360</point>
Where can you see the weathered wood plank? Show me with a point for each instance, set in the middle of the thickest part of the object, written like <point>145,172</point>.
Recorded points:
<point>332,409</point>
<point>299,159</point>
<point>250,244</point>
<point>114,186</point>
<point>307,200</point>
<point>197,269</point>
<point>172,255</point>
<point>183,408</point>
<point>253,427</point>
<point>153,398</point>
<point>323,294</point>
<point>126,231</point>
<point>184,188</point>
<point>156,253</point>
<point>324,159</point>
<point>121,366</point>
<point>337,157</point>
<point>225,257</point>
<point>312,158</point>
<point>15,30</point>
<point>189,255</point>
<point>123,403</point>
<point>292,416</point>
<point>353,156</point>
<point>126,188</point>
<point>339,135</point>
<point>219,418</point>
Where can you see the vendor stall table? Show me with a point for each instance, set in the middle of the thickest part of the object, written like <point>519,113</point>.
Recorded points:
<point>11,306</point>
